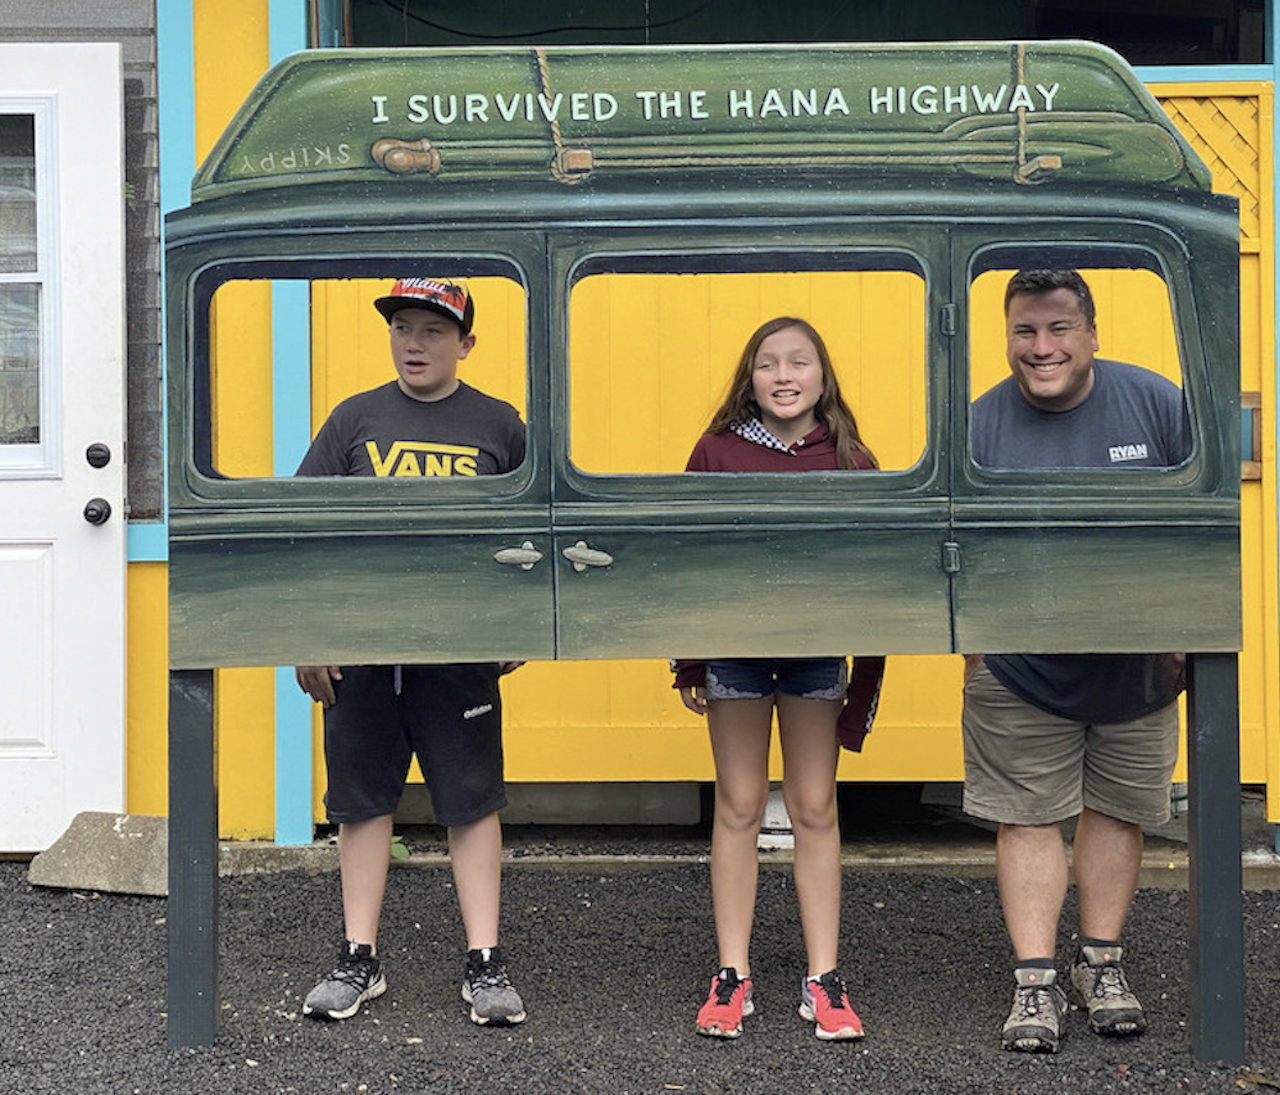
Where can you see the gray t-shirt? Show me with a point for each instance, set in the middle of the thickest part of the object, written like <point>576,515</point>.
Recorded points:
<point>1132,418</point>
<point>383,432</point>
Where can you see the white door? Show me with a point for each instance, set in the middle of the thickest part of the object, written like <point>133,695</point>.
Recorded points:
<point>62,576</point>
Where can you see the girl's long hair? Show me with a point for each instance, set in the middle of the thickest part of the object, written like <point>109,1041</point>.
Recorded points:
<point>832,411</point>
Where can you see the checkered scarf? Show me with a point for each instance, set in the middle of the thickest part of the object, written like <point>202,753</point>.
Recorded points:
<point>752,429</point>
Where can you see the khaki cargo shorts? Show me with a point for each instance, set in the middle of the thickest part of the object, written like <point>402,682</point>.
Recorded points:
<point>1024,766</point>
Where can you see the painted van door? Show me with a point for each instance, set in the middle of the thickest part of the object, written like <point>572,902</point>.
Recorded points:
<point>398,568</point>
<point>653,561</point>
<point>1108,557</point>
<point>791,583</point>
<point>62,521</point>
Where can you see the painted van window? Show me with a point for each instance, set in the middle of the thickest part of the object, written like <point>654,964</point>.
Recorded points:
<point>651,357</point>
<point>19,297</point>
<point>261,428</point>
<point>1134,324</point>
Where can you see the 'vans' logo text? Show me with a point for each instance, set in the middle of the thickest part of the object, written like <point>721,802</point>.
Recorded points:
<point>1120,453</point>
<point>422,458</point>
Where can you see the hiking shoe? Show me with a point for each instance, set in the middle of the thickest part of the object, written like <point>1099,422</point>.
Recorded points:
<point>824,1002</point>
<point>728,1001</point>
<point>356,978</point>
<point>1035,1020</point>
<point>1098,984</point>
<point>488,989</point>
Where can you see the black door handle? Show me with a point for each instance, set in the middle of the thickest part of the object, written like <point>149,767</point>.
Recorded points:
<point>97,511</point>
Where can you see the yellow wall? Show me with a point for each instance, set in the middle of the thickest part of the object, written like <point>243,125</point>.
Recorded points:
<point>622,721</point>
<point>230,56</point>
<point>1230,125</point>
<point>147,760</point>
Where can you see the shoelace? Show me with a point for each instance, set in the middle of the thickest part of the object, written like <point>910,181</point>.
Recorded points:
<point>490,976</point>
<point>352,971</point>
<point>1110,982</point>
<point>1032,1000</point>
<point>834,988</point>
<point>725,988</point>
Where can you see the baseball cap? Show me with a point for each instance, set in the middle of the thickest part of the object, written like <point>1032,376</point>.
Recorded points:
<point>450,298</point>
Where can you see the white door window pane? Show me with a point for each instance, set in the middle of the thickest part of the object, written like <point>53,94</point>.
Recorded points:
<point>19,364</point>
<point>17,194</point>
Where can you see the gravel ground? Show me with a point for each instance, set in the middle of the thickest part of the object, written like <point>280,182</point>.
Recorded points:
<point>613,964</point>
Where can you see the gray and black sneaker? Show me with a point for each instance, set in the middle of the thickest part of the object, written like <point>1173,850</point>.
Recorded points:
<point>356,978</point>
<point>1098,984</point>
<point>1035,1020</point>
<point>488,989</point>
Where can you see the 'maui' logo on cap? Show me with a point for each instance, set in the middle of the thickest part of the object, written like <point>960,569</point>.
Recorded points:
<point>453,297</point>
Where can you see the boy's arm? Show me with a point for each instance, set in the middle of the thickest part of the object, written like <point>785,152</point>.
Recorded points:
<point>317,682</point>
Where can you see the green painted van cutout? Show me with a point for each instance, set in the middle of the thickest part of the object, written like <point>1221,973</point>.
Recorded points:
<point>548,166</point>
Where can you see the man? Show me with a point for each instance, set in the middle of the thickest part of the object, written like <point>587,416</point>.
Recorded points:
<point>450,716</point>
<point>1049,737</point>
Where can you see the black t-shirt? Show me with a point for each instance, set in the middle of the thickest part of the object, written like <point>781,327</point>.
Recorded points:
<point>383,432</point>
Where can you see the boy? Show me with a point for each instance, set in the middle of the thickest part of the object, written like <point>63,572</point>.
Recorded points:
<point>450,716</point>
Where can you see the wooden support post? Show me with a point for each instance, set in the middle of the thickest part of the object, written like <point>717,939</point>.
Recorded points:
<point>193,860</point>
<point>1217,912</point>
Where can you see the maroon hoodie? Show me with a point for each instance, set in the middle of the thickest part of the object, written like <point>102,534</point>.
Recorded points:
<point>729,452</point>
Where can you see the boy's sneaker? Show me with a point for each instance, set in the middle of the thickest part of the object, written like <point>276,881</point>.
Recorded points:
<point>727,1002</point>
<point>1098,984</point>
<point>488,989</point>
<point>1035,1020</point>
<point>356,978</point>
<point>825,1002</point>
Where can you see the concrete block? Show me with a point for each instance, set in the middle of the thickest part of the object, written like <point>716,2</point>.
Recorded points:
<point>775,830</point>
<point>110,853</point>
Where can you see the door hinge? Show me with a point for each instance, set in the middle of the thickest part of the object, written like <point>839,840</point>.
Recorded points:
<point>947,319</point>
<point>950,557</point>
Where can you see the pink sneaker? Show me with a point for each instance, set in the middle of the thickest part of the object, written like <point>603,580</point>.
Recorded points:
<point>824,1002</point>
<point>727,1002</point>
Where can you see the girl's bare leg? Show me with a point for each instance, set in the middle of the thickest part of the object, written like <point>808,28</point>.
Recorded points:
<point>810,751</point>
<point>740,732</point>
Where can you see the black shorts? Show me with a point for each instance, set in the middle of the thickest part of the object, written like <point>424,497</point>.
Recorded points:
<point>449,716</point>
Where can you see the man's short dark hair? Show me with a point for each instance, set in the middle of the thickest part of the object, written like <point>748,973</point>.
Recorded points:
<point>1035,282</point>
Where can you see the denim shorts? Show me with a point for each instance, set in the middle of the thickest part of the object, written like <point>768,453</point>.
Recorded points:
<point>756,678</point>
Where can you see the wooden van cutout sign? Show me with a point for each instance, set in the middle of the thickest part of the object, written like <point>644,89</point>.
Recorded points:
<point>880,191</point>
<point>599,199</point>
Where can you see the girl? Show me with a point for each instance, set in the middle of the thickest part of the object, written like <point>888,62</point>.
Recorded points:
<point>784,412</point>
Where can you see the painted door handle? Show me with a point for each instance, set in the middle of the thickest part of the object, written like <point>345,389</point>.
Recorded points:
<point>582,556</point>
<point>525,556</point>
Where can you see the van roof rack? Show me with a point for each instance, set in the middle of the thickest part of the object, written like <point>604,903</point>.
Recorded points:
<point>1015,113</point>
